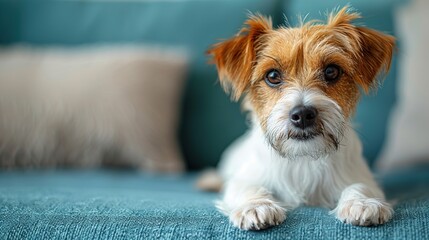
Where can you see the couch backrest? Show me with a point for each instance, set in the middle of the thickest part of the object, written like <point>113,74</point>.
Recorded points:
<point>209,120</point>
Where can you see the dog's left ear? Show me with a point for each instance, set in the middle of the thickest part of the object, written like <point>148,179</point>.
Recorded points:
<point>371,49</point>
<point>375,57</point>
<point>235,57</point>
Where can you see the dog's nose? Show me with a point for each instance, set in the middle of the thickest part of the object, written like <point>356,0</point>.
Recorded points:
<point>303,116</point>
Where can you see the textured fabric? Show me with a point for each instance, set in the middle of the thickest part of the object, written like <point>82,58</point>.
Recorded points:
<point>129,205</point>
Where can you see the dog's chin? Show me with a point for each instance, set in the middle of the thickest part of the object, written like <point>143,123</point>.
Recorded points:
<point>315,145</point>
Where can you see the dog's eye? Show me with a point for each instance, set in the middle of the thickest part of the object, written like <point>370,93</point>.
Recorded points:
<point>273,78</point>
<point>332,73</point>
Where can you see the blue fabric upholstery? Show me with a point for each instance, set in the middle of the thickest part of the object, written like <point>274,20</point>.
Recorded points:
<point>129,205</point>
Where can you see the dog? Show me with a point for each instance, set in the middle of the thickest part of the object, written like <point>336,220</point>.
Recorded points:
<point>301,87</point>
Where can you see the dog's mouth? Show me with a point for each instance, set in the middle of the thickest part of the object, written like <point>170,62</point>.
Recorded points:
<point>303,136</point>
<point>313,142</point>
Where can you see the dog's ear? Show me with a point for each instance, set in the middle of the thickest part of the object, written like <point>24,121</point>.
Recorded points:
<point>376,51</point>
<point>372,50</point>
<point>235,57</point>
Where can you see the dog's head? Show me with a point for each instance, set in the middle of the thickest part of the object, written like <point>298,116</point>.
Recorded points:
<point>302,84</point>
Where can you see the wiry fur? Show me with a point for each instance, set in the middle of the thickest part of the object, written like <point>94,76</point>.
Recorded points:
<point>328,131</point>
<point>276,167</point>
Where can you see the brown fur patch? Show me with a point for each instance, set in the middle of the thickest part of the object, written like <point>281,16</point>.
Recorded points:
<point>375,56</point>
<point>235,57</point>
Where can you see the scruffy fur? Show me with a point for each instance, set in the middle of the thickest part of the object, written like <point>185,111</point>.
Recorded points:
<point>268,171</point>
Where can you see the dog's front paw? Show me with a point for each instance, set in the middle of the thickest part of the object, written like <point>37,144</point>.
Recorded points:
<point>257,215</point>
<point>364,212</point>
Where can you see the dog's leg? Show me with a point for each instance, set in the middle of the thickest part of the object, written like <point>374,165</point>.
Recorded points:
<point>362,205</point>
<point>251,207</point>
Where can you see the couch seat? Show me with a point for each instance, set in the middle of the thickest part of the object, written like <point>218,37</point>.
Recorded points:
<point>104,204</point>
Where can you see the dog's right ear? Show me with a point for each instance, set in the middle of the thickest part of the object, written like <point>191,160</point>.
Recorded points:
<point>373,50</point>
<point>235,57</point>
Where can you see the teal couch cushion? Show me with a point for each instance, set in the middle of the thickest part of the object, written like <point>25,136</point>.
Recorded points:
<point>209,120</point>
<point>374,111</point>
<point>130,205</point>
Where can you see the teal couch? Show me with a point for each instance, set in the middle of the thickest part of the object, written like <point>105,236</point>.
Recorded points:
<point>131,205</point>
<point>109,204</point>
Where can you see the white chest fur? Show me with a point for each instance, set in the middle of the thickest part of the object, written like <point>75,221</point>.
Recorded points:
<point>303,180</point>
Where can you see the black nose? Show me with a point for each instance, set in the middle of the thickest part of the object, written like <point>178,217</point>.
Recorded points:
<point>302,116</point>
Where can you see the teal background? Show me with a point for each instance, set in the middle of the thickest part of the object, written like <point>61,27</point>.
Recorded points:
<point>209,120</point>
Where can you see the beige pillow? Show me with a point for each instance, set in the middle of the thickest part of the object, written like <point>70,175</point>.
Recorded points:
<point>83,107</point>
<point>407,140</point>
